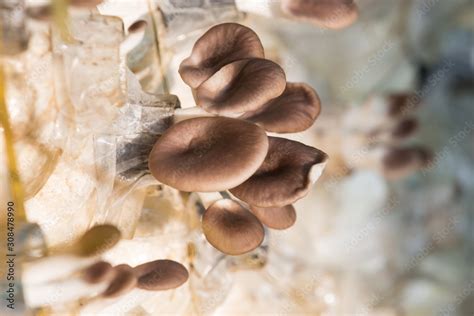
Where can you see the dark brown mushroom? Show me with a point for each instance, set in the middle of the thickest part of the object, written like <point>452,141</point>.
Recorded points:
<point>241,86</point>
<point>292,112</point>
<point>208,154</point>
<point>160,275</point>
<point>219,46</point>
<point>123,282</point>
<point>285,176</point>
<point>399,162</point>
<point>334,14</point>
<point>275,217</point>
<point>97,272</point>
<point>405,128</point>
<point>231,228</point>
<point>401,104</point>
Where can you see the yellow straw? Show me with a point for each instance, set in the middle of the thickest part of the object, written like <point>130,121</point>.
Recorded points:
<point>14,177</point>
<point>60,17</point>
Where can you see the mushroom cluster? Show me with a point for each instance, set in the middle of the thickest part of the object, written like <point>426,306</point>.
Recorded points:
<point>84,278</point>
<point>242,96</point>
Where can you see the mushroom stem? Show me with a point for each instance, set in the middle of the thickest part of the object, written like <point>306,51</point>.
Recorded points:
<point>189,113</point>
<point>225,195</point>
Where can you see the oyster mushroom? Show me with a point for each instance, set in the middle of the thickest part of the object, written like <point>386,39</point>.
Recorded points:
<point>219,46</point>
<point>399,162</point>
<point>160,275</point>
<point>123,282</point>
<point>241,86</point>
<point>97,240</point>
<point>208,154</point>
<point>286,175</point>
<point>275,217</point>
<point>293,111</point>
<point>85,3</point>
<point>97,272</point>
<point>231,228</point>
<point>334,14</point>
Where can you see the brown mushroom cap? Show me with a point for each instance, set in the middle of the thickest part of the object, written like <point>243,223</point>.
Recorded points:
<point>292,112</point>
<point>219,46</point>
<point>401,104</point>
<point>208,154</point>
<point>399,162</point>
<point>333,14</point>
<point>123,282</point>
<point>275,217</point>
<point>160,275</point>
<point>405,128</point>
<point>97,240</point>
<point>285,176</point>
<point>97,272</point>
<point>241,86</point>
<point>231,228</point>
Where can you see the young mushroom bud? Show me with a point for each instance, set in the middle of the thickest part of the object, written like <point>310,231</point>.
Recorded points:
<point>123,282</point>
<point>97,272</point>
<point>160,275</point>
<point>219,46</point>
<point>275,217</point>
<point>231,228</point>
<point>334,14</point>
<point>241,86</point>
<point>292,112</point>
<point>286,175</point>
<point>97,240</point>
<point>400,104</point>
<point>85,3</point>
<point>208,154</point>
<point>399,162</point>
<point>405,128</point>
<point>41,12</point>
